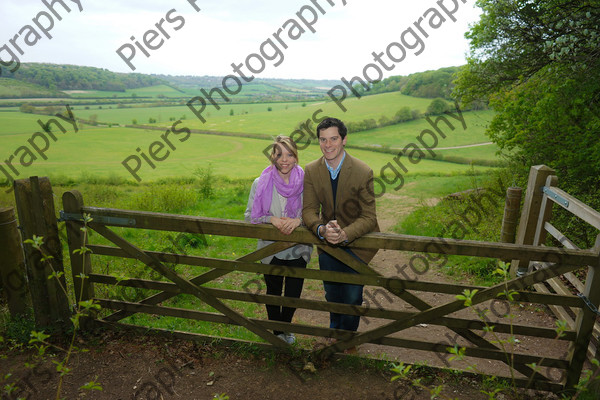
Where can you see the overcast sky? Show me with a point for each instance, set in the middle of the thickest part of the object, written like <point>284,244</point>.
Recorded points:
<point>227,31</point>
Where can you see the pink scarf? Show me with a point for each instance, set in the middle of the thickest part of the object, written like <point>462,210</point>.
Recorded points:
<point>291,191</point>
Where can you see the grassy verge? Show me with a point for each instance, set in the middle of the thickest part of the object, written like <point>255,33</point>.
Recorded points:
<point>474,215</point>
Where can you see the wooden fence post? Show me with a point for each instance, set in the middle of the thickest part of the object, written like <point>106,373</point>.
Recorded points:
<point>531,210</point>
<point>84,289</point>
<point>584,324</point>
<point>511,214</point>
<point>35,206</point>
<point>12,265</point>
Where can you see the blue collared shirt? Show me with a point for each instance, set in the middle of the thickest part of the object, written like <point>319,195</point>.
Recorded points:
<point>334,172</point>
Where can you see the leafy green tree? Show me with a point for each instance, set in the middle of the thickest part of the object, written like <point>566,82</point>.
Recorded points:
<point>538,64</point>
<point>27,108</point>
<point>384,121</point>
<point>438,106</point>
<point>403,114</point>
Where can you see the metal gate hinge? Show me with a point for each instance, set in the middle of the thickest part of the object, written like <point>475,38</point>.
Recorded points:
<point>559,199</point>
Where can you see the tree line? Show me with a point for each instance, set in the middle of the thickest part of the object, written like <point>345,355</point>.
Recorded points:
<point>427,84</point>
<point>73,77</point>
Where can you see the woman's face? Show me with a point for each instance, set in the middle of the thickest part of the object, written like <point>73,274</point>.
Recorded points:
<point>284,160</point>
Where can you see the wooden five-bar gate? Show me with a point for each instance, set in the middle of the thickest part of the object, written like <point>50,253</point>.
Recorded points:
<point>539,266</point>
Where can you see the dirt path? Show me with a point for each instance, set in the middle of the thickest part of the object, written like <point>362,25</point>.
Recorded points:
<point>392,263</point>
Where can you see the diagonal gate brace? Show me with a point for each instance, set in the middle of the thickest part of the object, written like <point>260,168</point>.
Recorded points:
<point>186,286</point>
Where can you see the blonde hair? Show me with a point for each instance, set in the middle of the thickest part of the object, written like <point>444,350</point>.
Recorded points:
<point>287,143</point>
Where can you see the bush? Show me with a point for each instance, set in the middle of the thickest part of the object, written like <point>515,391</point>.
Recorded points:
<point>206,179</point>
<point>438,106</point>
<point>27,108</point>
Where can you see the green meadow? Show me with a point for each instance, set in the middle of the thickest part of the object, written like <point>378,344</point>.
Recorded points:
<point>256,117</point>
<point>101,151</point>
<point>150,91</point>
<point>399,135</point>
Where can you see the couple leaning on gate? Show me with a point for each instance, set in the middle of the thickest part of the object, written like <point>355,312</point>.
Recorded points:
<point>333,198</point>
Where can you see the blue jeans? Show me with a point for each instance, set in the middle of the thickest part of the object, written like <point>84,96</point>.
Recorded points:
<point>341,292</point>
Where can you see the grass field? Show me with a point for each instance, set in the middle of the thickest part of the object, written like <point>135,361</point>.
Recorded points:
<point>15,122</point>
<point>150,91</point>
<point>399,135</point>
<point>255,117</point>
<point>100,151</point>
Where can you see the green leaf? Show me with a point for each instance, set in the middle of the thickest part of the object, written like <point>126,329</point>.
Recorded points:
<point>92,385</point>
<point>38,337</point>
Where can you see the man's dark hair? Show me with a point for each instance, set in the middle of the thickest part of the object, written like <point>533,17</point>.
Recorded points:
<point>329,122</point>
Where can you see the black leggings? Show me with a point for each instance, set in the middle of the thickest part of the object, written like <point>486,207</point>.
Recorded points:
<point>293,288</point>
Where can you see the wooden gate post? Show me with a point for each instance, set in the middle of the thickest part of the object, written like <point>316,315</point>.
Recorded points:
<point>12,265</point>
<point>35,206</point>
<point>531,210</point>
<point>584,324</point>
<point>80,264</point>
<point>511,214</point>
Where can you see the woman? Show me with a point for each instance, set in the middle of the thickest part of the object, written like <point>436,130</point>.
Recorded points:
<point>276,198</point>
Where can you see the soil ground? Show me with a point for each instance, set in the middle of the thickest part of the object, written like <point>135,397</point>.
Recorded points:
<point>134,366</point>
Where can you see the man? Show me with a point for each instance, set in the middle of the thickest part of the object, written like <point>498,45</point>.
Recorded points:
<point>339,206</point>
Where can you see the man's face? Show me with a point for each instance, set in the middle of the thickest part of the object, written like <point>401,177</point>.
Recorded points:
<point>332,145</point>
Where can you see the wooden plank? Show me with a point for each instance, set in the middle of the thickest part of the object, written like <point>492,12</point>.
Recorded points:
<point>578,208</point>
<point>560,312</point>
<point>394,283</point>
<point>319,305</point>
<point>573,280</point>
<point>387,241</point>
<point>586,320</point>
<point>475,352</point>
<point>37,216</point>
<point>565,241</point>
<point>272,248</point>
<point>364,269</point>
<point>558,235</point>
<point>416,302</point>
<point>327,332</point>
<point>13,275</point>
<point>403,293</point>
<point>80,264</point>
<point>187,286</point>
<point>545,214</point>
<point>529,214</point>
<point>448,308</point>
